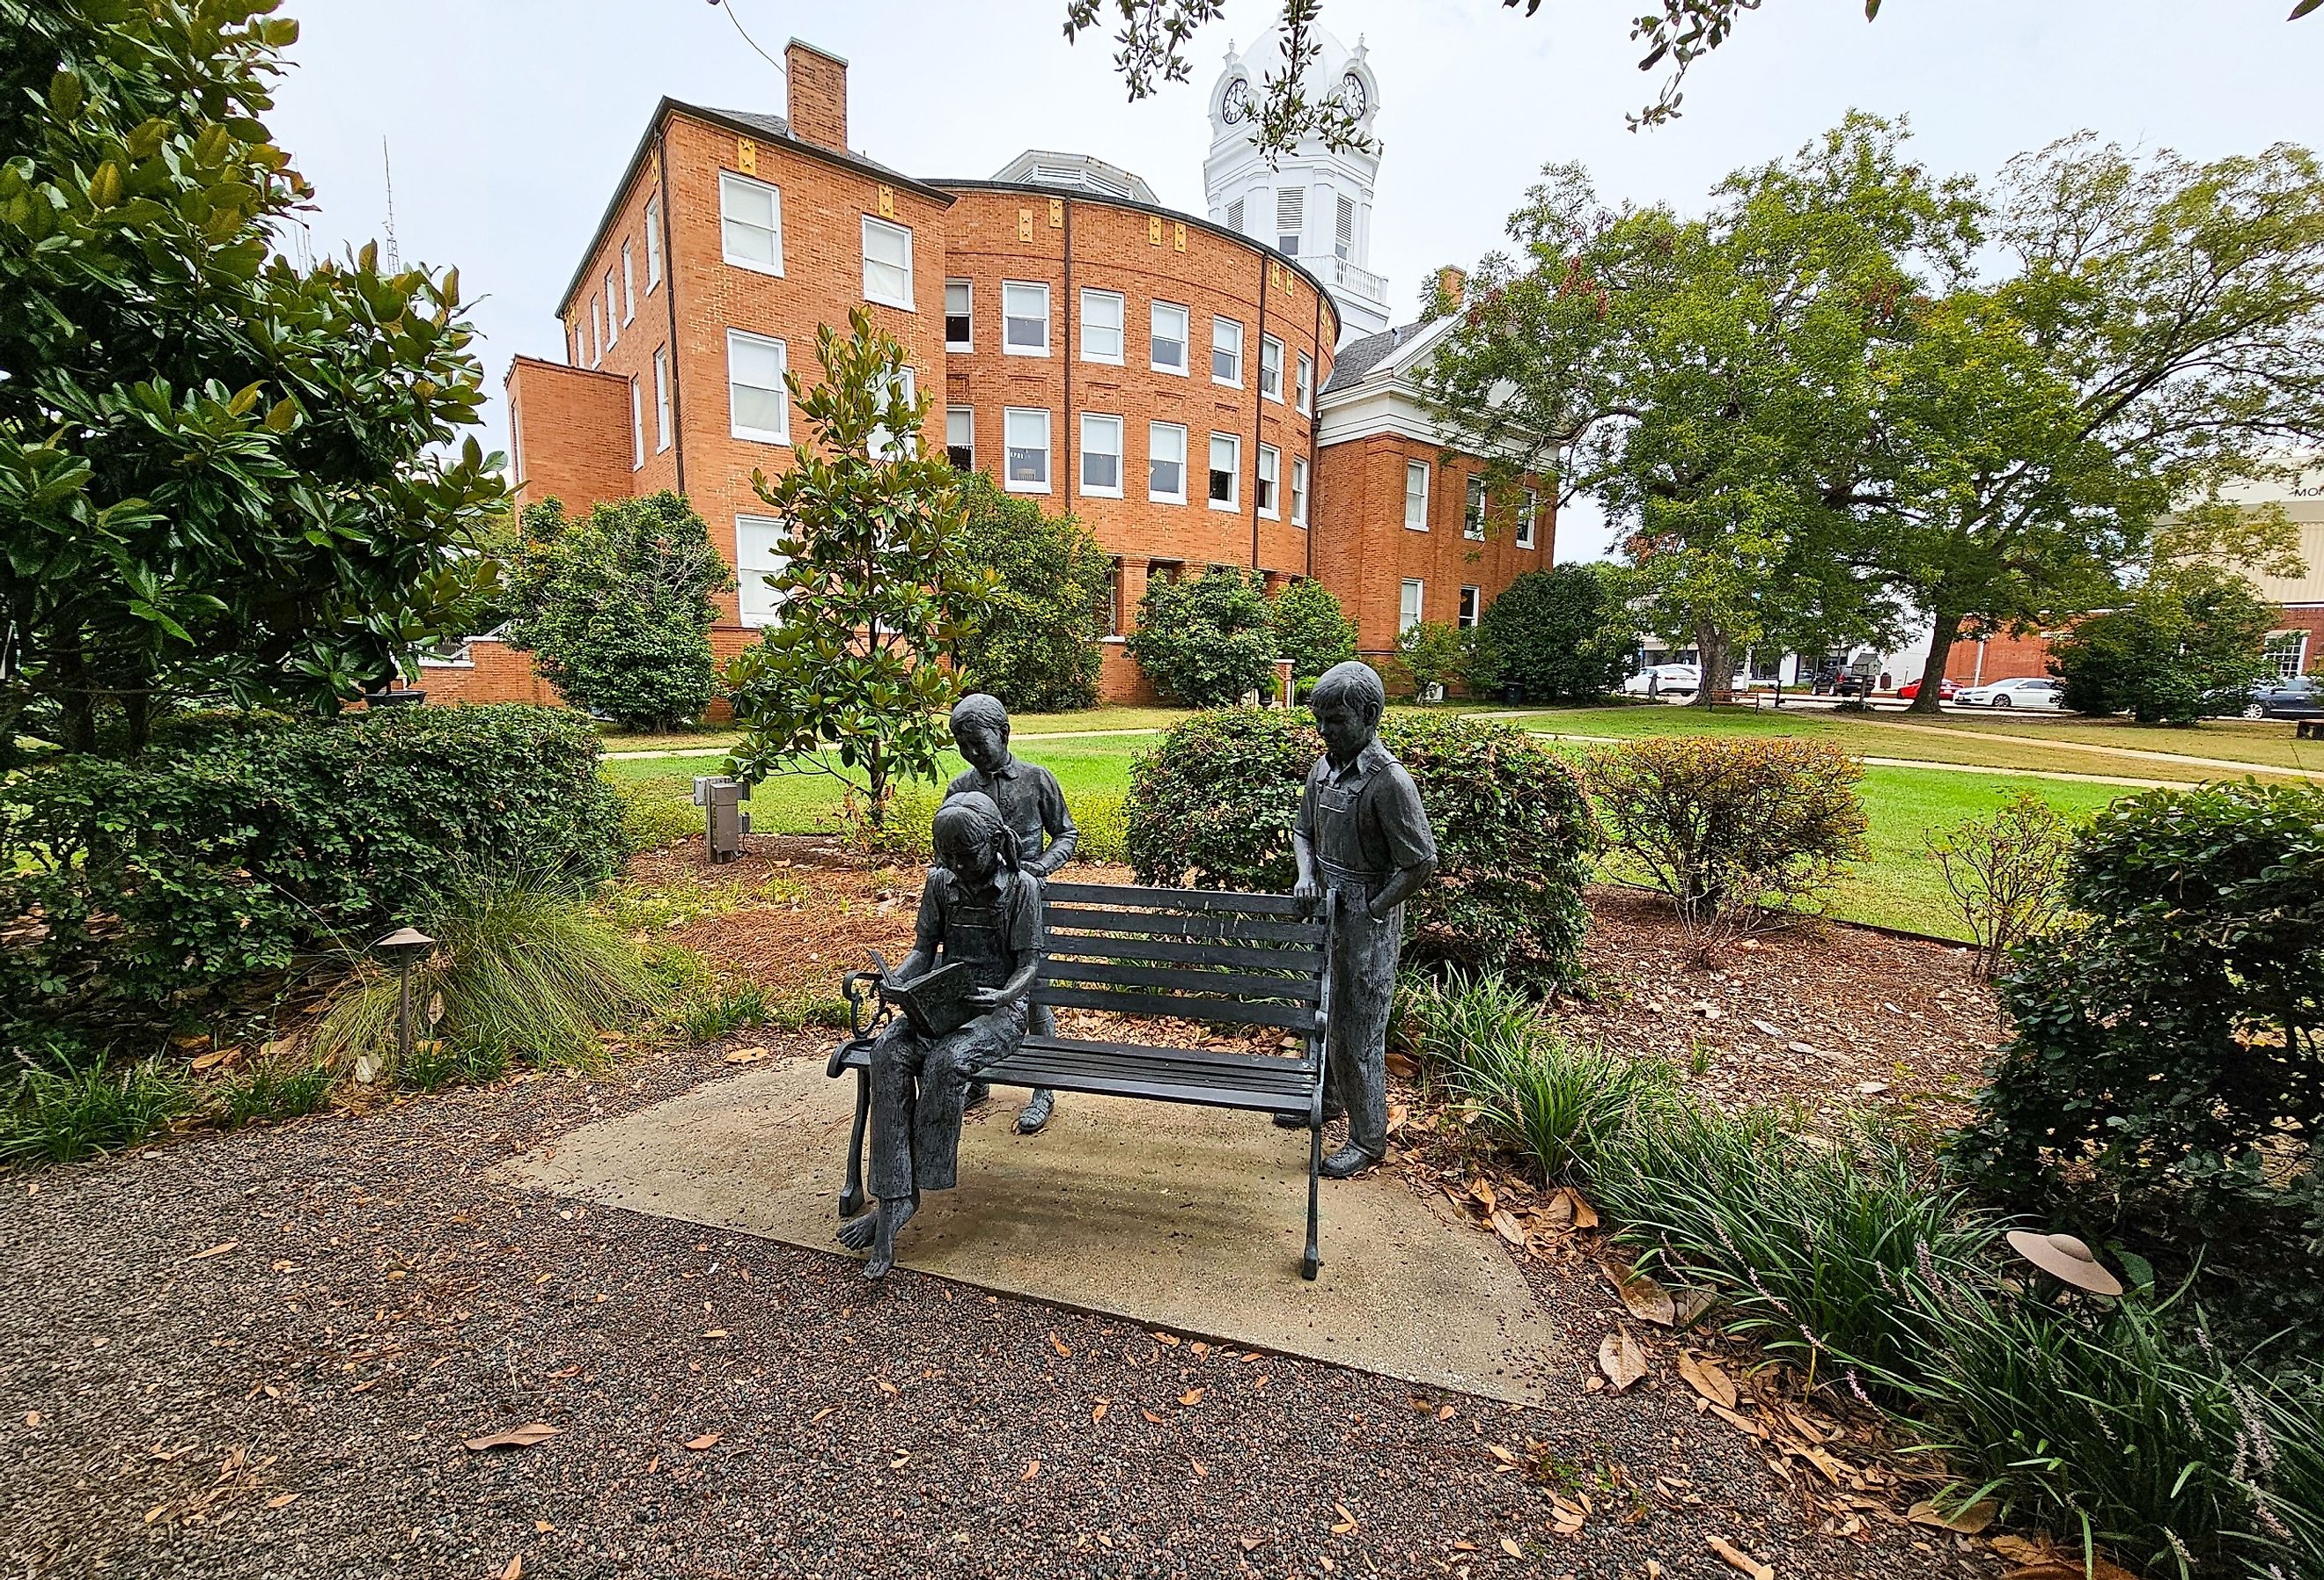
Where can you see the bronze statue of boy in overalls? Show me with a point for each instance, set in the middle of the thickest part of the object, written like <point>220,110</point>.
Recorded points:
<point>1034,808</point>
<point>978,908</point>
<point>1363,837</point>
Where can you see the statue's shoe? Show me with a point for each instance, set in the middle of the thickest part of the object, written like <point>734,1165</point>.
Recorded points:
<point>1347,1161</point>
<point>1035,1112</point>
<point>979,1092</point>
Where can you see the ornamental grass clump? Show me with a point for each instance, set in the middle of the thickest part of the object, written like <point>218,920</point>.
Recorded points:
<point>1738,833</point>
<point>521,964</point>
<point>69,1111</point>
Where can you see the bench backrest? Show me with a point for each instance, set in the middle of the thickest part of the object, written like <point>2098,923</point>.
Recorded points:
<point>1195,953</point>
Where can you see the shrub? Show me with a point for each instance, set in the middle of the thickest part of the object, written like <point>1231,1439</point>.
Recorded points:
<point>1561,635</point>
<point>242,845</point>
<point>2187,645</point>
<point>1311,628</point>
<point>61,1115</point>
<point>1214,806</point>
<point>1208,640</point>
<point>1432,654</point>
<point>521,964</point>
<point>2006,874</point>
<point>617,607</point>
<point>1036,645</point>
<point>2164,1069</point>
<point>1735,832</point>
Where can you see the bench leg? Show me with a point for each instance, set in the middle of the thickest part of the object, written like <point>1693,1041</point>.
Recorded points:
<point>1311,1261</point>
<point>851,1196</point>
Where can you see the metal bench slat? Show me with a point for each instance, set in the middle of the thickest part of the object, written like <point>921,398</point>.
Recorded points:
<point>1208,900</point>
<point>1225,1065</point>
<point>1290,1017</point>
<point>1287,957</point>
<point>1228,929</point>
<point>1233,984</point>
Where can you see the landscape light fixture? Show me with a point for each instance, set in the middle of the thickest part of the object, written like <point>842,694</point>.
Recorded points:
<point>405,945</point>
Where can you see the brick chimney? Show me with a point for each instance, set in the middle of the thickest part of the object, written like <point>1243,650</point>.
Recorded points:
<point>819,96</point>
<point>1452,286</point>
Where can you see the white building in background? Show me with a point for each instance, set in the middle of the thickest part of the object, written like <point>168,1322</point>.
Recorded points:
<point>1315,206</point>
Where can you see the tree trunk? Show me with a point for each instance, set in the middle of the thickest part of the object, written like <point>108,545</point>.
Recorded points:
<point>1933,673</point>
<point>137,712</point>
<point>1711,660</point>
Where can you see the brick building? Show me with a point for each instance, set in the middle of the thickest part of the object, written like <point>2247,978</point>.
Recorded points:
<point>1169,379</point>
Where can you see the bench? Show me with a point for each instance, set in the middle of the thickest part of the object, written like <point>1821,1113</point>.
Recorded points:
<point>1200,955</point>
<point>2309,729</point>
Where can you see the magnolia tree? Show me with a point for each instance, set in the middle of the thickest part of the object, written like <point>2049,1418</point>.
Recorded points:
<point>222,476</point>
<point>877,595</point>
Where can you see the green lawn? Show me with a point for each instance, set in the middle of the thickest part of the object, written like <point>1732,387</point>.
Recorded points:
<point>1898,887</point>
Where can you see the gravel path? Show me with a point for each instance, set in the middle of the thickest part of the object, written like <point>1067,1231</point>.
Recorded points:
<point>259,1354</point>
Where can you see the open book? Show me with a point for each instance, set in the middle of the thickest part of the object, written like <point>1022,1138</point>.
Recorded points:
<point>938,1003</point>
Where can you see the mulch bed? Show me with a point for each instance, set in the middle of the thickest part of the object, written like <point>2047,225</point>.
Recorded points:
<point>264,1353</point>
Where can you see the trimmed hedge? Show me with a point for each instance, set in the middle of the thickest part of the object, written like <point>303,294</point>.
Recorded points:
<point>1214,806</point>
<point>239,844</point>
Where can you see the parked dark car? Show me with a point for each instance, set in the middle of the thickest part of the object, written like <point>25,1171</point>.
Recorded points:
<point>2298,697</point>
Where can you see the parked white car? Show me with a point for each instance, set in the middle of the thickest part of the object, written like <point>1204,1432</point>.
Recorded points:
<point>2024,691</point>
<point>1662,680</point>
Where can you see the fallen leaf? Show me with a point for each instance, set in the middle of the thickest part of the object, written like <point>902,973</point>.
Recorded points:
<point>1708,1378</point>
<point>1097,1410</point>
<point>218,1250</point>
<point>886,1386</point>
<point>1149,1415</point>
<point>1621,1360</point>
<point>1482,1189</point>
<point>1346,1514</point>
<point>523,1437</point>
<point>1511,1549</point>
<point>1508,1229</point>
<point>1742,1561</point>
<point>31,1417</point>
<point>1585,1217</point>
<point>1059,1345</point>
<point>515,1570</point>
<point>1199,1347</point>
<point>1689,1302</point>
<point>542,1527</point>
<point>745,1055</point>
<point>1192,1396</point>
<point>1165,1338</point>
<point>1968,1521</point>
<point>1252,1543</point>
<point>1032,1469</point>
<point>698,1444</point>
<point>1741,1423</point>
<point>1201,1470</point>
<point>714,1333</point>
<point>1648,1301</point>
<point>284,1502</point>
<point>821,1413</point>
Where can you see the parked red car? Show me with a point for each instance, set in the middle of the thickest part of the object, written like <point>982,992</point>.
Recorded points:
<point>1912,688</point>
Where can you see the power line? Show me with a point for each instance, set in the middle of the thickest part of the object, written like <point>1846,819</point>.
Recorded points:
<point>747,39</point>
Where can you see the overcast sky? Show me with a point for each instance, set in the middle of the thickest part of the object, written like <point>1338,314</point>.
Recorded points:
<point>509,120</point>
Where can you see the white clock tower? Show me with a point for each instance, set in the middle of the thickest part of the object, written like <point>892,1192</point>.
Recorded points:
<point>1316,205</point>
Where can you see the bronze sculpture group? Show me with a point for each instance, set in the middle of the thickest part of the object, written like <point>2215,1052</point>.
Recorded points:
<point>1363,846</point>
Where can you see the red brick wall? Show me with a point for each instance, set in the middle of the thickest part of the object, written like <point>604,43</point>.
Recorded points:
<point>1364,551</point>
<point>570,434</point>
<point>494,672</point>
<point>2006,658</point>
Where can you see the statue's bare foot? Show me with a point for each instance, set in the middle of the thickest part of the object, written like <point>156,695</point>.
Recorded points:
<point>857,1232</point>
<point>891,1216</point>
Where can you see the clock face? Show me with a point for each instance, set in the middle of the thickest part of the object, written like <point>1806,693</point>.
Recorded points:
<point>1352,94</point>
<point>1236,109</point>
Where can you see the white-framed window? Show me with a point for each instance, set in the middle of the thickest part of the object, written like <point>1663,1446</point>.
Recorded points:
<point>889,447</point>
<point>2286,653</point>
<point>751,223</point>
<point>661,399</point>
<point>960,437</point>
<point>1267,481</point>
<point>1025,435</point>
<point>1343,229</point>
<point>1408,603</point>
<point>960,297</point>
<point>1472,512</point>
<point>1306,387</point>
<point>637,425</point>
<point>1166,463</point>
<point>1102,320</point>
<point>1226,352</point>
<point>1415,496</point>
<point>1024,319</point>
<point>653,243</point>
<point>1290,219</point>
<point>1234,217</point>
<point>612,329</point>
<point>580,354</point>
<point>1270,368</point>
<point>888,265</point>
<point>1298,491</point>
<point>1171,330</point>
<point>1531,503</point>
<point>1473,602</point>
<point>758,406</point>
<point>1226,471</point>
<point>596,332</point>
<point>516,439</point>
<point>756,558</point>
<point>1101,455</point>
<point>629,285</point>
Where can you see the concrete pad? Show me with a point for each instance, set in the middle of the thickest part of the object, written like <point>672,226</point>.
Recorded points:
<point>1188,1219</point>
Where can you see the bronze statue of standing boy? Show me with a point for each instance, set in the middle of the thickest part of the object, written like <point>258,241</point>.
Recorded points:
<point>1363,837</point>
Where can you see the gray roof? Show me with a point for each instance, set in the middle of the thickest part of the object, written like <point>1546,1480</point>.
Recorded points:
<point>777,127</point>
<point>1358,357</point>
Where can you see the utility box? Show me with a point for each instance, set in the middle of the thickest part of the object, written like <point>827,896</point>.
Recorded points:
<point>722,799</point>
